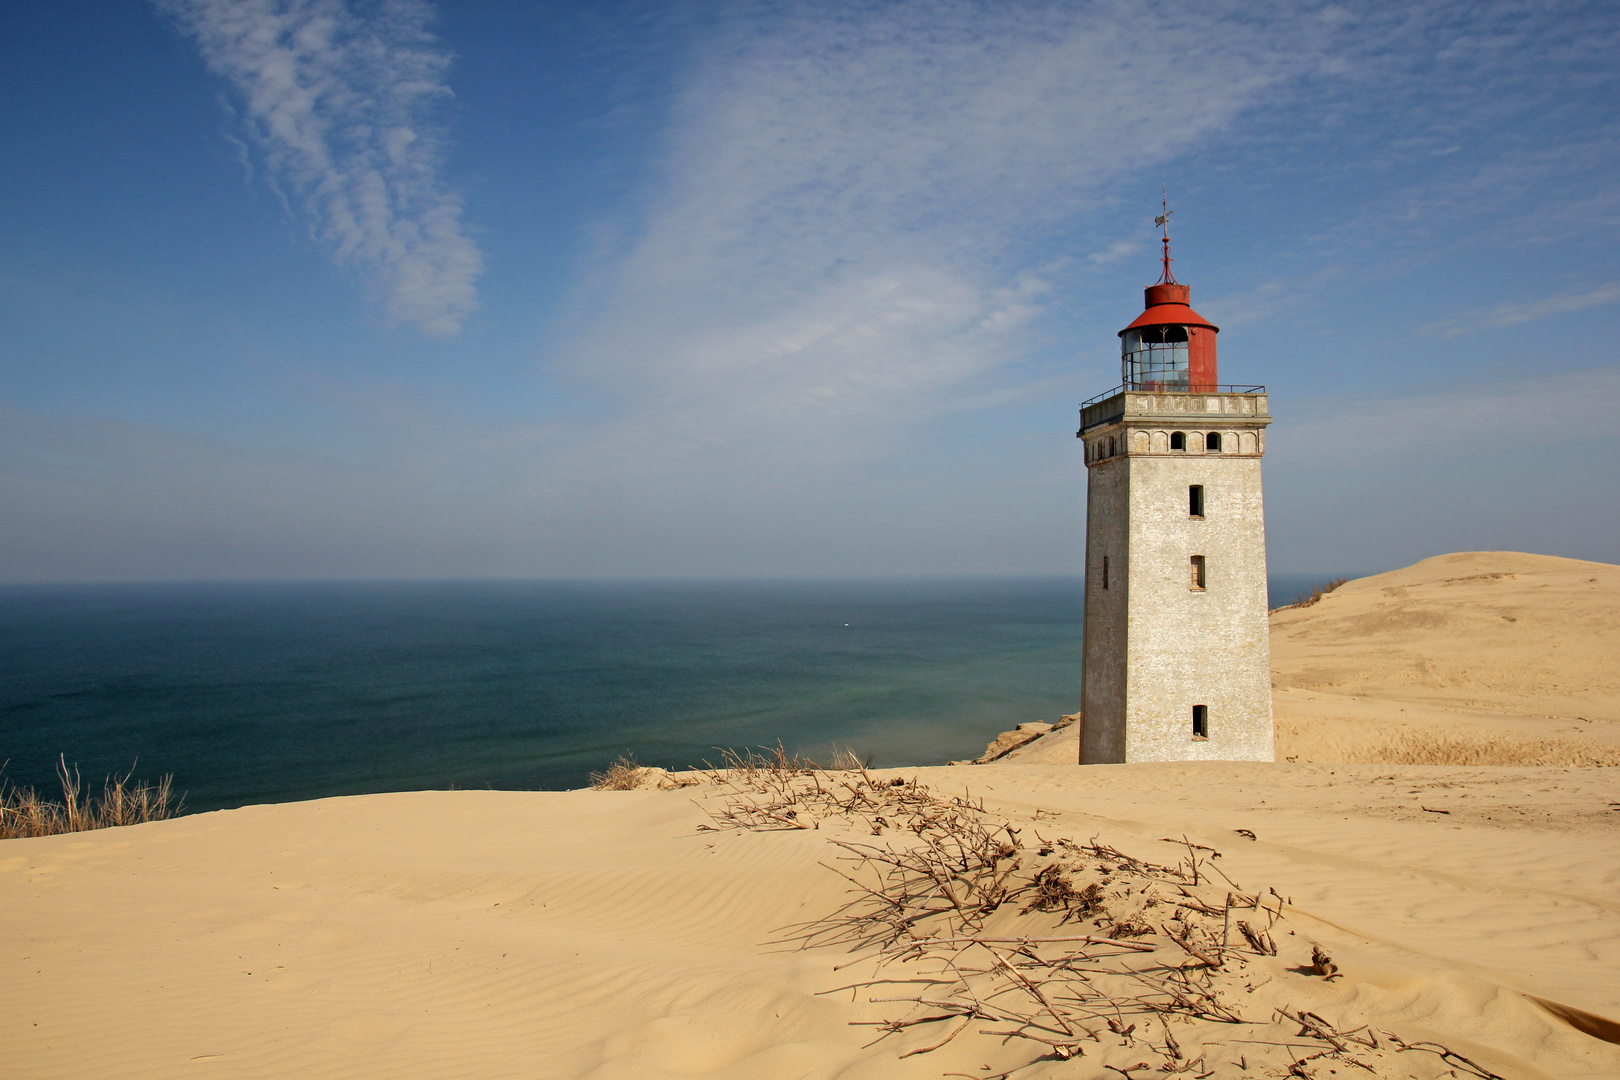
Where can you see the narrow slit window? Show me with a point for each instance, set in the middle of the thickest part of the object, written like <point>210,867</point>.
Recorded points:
<point>1195,500</point>
<point>1200,721</point>
<point>1178,440</point>
<point>1198,573</point>
<point>1212,441</point>
<point>1105,571</point>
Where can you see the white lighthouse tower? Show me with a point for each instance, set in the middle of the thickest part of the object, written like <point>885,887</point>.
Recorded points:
<point>1177,653</point>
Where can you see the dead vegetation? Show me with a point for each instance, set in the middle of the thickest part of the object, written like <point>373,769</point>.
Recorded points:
<point>1145,965</point>
<point>121,802</point>
<point>1306,599</point>
<point>628,774</point>
<point>755,765</point>
<point>623,775</point>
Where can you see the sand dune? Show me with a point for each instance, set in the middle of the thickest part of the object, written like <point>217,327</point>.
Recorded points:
<point>1478,657</point>
<point>604,934</point>
<point>609,935</point>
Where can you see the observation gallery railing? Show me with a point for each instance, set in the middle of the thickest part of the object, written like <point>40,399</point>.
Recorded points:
<point>1094,411</point>
<point>1163,388</point>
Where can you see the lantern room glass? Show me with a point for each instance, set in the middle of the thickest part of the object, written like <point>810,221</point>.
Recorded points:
<point>1155,358</point>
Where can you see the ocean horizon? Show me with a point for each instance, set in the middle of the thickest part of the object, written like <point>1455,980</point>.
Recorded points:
<point>277,691</point>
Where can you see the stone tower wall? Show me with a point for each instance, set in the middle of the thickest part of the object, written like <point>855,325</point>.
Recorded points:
<point>1190,647</point>
<point>1108,511</point>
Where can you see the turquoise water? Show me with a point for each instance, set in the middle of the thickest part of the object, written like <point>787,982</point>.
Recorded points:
<point>271,692</point>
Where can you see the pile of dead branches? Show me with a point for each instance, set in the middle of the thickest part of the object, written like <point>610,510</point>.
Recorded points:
<point>1071,947</point>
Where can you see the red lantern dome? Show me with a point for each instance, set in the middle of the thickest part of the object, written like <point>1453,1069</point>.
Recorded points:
<point>1169,347</point>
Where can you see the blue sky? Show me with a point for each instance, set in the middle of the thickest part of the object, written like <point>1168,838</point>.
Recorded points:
<point>330,288</point>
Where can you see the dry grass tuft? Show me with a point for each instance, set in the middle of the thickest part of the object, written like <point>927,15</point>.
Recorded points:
<point>773,764</point>
<point>1306,599</point>
<point>24,813</point>
<point>623,775</point>
<point>752,769</point>
<point>845,759</point>
<point>627,774</point>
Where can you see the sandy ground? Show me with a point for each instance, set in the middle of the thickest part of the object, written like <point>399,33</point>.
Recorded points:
<point>608,934</point>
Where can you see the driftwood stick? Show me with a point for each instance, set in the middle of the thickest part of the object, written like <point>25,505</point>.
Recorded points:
<point>1072,1048</point>
<point>982,1011</point>
<point>1034,990</point>
<point>1228,880</point>
<point>1198,954</point>
<point>954,1032</point>
<point>881,982</point>
<point>974,939</point>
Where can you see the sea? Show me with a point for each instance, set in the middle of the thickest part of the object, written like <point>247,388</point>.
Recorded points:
<point>269,692</point>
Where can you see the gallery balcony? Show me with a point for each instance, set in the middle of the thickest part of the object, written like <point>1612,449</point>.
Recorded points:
<point>1152,399</point>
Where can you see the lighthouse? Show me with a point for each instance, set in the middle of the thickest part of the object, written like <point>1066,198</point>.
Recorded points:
<point>1177,650</point>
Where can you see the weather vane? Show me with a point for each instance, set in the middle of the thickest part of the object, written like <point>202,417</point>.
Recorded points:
<point>1163,222</point>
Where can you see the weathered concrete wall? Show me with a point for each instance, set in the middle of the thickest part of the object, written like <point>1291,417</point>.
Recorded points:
<point>1102,699</point>
<point>1155,646</point>
<point>1189,647</point>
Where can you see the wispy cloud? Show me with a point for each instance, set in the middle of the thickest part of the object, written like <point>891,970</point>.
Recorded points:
<point>850,234</point>
<point>865,219</point>
<point>1452,129</point>
<point>341,106</point>
<point>1512,314</point>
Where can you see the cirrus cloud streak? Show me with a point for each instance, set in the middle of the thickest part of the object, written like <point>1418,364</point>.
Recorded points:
<point>341,107</point>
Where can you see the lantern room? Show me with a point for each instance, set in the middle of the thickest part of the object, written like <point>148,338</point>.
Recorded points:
<point>1169,348</point>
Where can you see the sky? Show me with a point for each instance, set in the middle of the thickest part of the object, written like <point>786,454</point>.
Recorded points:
<point>398,289</point>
